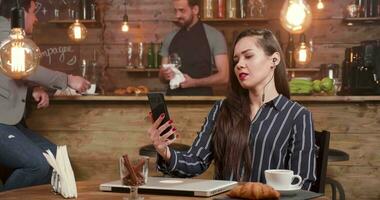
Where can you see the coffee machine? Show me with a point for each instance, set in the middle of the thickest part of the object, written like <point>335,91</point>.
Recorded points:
<point>361,69</point>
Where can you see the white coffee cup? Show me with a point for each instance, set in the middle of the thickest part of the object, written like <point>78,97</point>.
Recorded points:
<point>281,179</point>
<point>91,90</point>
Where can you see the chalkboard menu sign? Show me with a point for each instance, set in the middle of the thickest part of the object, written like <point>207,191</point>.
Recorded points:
<point>60,57</point>
<point>65,10</point>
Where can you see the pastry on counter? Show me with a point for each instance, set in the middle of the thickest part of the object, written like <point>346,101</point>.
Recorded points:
<point>143,89</point>
<point>132,90</point>
<point>254,191</point>
<point>120,91</point>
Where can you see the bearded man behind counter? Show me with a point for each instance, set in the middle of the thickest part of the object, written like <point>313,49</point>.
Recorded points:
<point>200,47</point>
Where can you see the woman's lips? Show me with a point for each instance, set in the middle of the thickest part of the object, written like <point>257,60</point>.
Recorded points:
<point>243,76</point>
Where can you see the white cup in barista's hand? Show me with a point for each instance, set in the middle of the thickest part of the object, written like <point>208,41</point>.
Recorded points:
<point>91,90</point>
<point>281,179</point>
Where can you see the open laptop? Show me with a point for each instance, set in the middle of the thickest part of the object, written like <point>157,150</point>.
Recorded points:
<point>174,186</point>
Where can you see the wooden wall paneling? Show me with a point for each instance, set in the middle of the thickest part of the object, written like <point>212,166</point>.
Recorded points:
<point>359,182</point>
<point>143,10</point>
<point>346,119</point>
<point>140,31</point>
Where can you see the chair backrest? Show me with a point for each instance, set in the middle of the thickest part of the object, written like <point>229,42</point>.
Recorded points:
<point>322,140</point>
<point>4,173</point>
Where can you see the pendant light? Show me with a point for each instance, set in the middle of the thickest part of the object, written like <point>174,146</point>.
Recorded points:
<point>303,52</point>
<point>124,26</point>
<point>295,16</point>
<point>19,56</point>
<point>320,5</point>
<point>77,31</point>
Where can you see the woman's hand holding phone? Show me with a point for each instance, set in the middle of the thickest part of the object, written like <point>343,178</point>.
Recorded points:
<point>161,142</point>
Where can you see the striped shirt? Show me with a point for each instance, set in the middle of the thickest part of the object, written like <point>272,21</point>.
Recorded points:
<point>281,137</point>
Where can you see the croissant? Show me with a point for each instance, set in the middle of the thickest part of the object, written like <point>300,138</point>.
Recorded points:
<point>254,191</point>
<point>131,89</point>
<point>120,91</point>
<point>143,89</point>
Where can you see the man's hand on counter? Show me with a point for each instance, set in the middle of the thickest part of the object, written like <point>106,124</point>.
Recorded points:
<point>78,83</point>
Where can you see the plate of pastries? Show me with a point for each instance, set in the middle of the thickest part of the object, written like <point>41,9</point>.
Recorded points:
<point>132,90</point>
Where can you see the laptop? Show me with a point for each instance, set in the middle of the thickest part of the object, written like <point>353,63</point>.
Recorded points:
<point>174,186</point>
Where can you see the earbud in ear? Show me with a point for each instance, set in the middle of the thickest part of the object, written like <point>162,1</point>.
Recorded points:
<point>274,60</point>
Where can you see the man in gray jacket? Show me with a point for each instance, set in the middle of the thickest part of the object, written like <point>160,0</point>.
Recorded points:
<point>20,148</point>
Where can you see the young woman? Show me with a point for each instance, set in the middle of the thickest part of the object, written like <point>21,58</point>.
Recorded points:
<point>255,128</point>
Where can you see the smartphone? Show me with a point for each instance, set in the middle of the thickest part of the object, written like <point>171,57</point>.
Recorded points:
<point>158,106</point>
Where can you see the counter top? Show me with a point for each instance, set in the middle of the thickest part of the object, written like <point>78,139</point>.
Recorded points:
<point>214,98</point>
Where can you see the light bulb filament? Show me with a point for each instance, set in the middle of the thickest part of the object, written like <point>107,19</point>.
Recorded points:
<point>302,55</point>
<point>296,15</point>
<point>320,5</point>
<point>125,27</point>
<point>17,58</point>
<point>77,32</point>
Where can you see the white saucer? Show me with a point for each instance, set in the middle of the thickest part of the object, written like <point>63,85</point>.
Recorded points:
<point>290,191</point>
<point>93,94</point>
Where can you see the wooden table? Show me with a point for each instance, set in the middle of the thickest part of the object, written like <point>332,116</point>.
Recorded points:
<point>86,190</point>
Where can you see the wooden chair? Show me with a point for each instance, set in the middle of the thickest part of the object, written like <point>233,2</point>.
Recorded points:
<point>322,140</point>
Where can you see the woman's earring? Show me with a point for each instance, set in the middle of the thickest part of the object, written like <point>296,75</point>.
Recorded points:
<point>274,63</point>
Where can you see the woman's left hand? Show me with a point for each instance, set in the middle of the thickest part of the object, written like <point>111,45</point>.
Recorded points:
<point>159,141</point>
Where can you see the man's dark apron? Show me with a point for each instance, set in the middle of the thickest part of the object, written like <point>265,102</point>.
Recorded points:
<point>193,48</point>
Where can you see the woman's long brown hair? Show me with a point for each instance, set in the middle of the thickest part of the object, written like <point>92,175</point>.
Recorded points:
<point>230,138</point>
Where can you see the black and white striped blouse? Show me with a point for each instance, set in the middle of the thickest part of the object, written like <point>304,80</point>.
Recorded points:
<point>281,137</point>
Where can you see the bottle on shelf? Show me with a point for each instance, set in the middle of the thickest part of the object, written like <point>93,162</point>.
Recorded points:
<point>208,9</point>
<point>93,10</point>
<point>140,52</point>
<point>242,7</point>
<point>85,9</point>
<point>221,9</point>
<point>361,7</point>
<point>157,56</point>
<point>289,53</point>
<point>150,56</point>
<point>231,9</point>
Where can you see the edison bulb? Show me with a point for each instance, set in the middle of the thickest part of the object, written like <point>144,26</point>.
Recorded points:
<point>320,5</point>
<point>295,16</point>
<point>19,56</point>
<point>77,31</point>
<point>125,27</point>
<point>303,54</point>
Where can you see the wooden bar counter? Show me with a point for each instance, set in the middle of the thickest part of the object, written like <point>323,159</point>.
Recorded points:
<point>99,129</point>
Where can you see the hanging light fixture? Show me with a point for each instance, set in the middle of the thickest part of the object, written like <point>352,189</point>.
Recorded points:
<point>19,56</point>
<point>124,26</point>
<point>320,5</point>
<point>295,16</point>
<point>303,52</point>
<point>77,31</point>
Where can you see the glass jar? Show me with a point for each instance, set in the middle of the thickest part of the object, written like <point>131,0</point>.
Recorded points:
<point>208,9</point>
<point>231,8</point>
<point>255,8</point>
